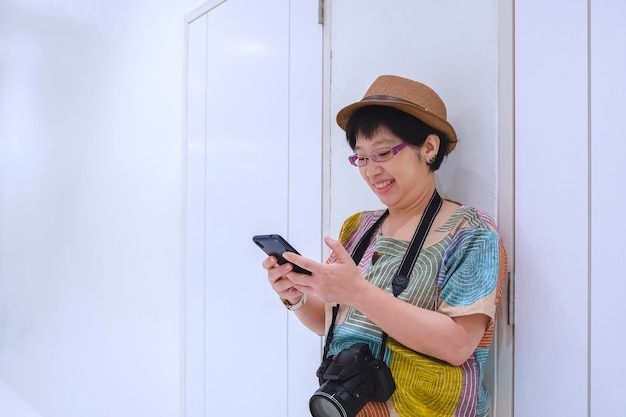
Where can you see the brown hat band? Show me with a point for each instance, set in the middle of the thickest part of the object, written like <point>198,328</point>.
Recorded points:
<point>392,99</point>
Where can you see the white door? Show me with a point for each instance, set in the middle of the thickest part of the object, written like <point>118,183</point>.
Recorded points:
<point>253,166</point>
<point>454,48</point>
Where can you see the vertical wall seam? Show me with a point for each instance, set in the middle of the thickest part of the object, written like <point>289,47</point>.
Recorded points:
<point>183,256</point>
<point>204,210</point>
<point>589,211</point>
<point>514,183</point>
<point>288,318</point>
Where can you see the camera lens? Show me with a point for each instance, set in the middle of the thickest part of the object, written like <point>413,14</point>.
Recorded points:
<point>322,405</point>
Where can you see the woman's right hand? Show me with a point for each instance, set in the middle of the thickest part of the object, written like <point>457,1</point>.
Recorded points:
<point>313,312</point>
<point>277,277</point>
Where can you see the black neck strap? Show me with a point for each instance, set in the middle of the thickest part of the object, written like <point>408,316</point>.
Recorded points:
<point>401,280</point>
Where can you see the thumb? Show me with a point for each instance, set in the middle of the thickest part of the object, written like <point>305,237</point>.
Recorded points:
<point>340,252</point>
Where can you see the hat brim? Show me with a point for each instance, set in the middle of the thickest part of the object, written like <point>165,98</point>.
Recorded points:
<point>420,113</point>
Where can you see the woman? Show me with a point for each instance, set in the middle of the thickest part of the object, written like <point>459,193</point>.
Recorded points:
<point>440,326</point>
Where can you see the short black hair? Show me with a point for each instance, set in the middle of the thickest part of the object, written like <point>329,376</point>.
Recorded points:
<point>367,120</point>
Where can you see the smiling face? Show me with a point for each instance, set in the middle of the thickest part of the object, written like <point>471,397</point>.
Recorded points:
<point>402,180</point>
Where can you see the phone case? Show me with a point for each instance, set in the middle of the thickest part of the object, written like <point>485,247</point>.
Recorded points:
<point>276,245</point>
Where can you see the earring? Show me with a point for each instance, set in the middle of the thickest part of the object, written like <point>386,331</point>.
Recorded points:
<point>432,161</point>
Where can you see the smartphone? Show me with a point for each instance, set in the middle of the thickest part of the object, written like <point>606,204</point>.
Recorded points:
<point>276,245</point>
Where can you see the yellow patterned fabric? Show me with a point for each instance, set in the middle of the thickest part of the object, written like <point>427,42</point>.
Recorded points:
<point>439,384</point>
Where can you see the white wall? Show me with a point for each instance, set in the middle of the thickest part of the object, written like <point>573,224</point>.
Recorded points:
<point>551,210</point>
<point>450,46</point>
<point>90,207</point>
<point>569,192</point>
<point>608,191</point>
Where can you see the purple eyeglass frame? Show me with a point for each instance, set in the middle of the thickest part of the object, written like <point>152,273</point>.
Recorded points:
<point>394,151</point>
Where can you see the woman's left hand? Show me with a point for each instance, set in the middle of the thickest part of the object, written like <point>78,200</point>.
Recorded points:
<point>337,282</point>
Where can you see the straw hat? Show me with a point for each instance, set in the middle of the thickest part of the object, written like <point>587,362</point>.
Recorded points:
<point>406,95</point>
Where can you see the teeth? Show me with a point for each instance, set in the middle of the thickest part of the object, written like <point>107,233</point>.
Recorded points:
<point>383,184</point>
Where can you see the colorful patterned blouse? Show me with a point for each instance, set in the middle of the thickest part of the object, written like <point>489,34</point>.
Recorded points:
<point>460,271</point>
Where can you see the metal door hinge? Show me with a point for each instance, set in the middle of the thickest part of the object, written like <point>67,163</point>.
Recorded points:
<point>320,12</point>
<point>511,297</point>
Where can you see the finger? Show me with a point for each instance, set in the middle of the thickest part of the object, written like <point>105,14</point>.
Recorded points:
<point>299,260</point>
<point>278,271</point>
<point>282,285</point>
<point>286,289</point>
<point>340,252</point>
<point>299,280</point>
<point>269,262</point>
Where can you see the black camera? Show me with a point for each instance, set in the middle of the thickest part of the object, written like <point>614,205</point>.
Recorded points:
<point>348,381</point>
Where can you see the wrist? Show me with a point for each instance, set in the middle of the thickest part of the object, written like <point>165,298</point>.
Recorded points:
<point>293,306</point>
<point>362,295</point>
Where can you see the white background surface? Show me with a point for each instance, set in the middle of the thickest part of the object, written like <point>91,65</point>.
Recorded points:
<point>91,105</point>
<point>92,199</point>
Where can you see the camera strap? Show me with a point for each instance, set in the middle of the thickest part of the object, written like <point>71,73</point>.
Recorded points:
<point>401,280</point>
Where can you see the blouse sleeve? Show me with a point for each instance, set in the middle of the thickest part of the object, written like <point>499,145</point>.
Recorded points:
<point>471,272</point>
<point>348,229</point>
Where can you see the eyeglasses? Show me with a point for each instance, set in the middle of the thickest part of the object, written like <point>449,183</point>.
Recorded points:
<point>378,155</point>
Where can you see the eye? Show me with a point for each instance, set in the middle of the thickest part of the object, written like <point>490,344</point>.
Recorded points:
<point>383,153</point>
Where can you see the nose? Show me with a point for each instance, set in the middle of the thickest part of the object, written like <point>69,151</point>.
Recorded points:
<point>372,168</point>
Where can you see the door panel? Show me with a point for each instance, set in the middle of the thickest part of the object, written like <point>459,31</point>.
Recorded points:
<point>455,50</point>
<point>253,164</point>
<point>608,87</point>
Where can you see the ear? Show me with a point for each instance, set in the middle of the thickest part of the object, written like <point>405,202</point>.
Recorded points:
<point>430,148</point>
